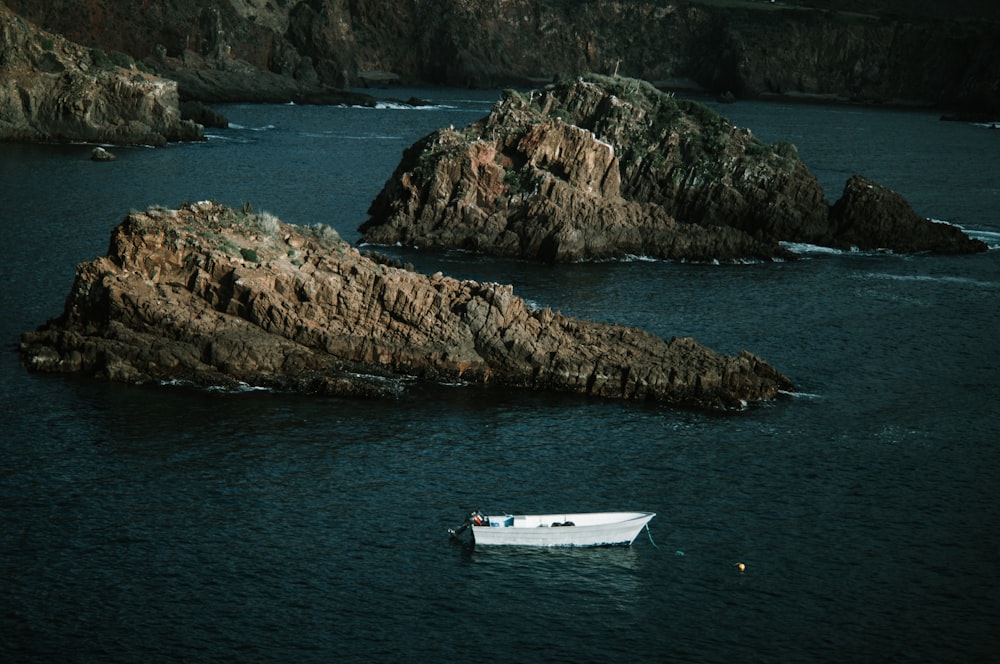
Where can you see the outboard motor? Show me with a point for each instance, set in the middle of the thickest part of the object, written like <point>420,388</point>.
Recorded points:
<point>475,518</point>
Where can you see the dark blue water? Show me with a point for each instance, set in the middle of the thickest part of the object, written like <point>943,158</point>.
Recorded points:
<point>168,524</point>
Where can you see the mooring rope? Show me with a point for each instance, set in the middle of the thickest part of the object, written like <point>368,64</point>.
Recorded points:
<point>648,532</point>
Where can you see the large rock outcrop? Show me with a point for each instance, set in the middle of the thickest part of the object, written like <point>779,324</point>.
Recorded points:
<point>605,167</point>
<point>213,296</point>
<point>52,89</point>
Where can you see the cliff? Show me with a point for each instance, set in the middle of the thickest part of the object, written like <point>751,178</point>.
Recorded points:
<point>214,296</point>
<point>52,89</point>
<point>213,73</point>
<point>890,51</point>
<point>606,167</point>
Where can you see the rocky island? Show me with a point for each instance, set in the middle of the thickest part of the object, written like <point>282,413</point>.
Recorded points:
<point>604,167</point>
<point>213,296</point>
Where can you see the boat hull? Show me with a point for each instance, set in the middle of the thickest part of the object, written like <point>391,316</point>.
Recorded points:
<point>588,529</point>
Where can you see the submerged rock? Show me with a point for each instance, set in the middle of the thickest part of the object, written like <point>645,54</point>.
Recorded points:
<point>604,167</point>
<point>212,296</point>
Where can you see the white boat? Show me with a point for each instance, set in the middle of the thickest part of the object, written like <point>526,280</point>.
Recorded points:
<point>579,529</point>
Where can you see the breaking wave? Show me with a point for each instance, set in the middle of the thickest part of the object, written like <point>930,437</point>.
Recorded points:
<point>402,106</point>
<point>267,127</point>
<point>800,395</point>
<point>238,388</point>
<point>991,238</point>
<point>805,249</point>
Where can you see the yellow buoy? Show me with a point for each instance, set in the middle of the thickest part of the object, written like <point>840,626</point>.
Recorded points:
<point>740,567</point>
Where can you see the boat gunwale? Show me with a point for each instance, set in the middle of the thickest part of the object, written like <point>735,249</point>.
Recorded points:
<point>562,517</point>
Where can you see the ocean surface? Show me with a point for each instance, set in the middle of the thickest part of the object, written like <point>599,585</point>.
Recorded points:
<point>163,523</point>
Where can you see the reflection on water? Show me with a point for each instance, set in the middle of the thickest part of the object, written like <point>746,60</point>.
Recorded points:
<point>605,571</point>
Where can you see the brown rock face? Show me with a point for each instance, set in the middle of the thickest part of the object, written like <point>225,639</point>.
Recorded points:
<point>213,296</point>
<point>54,90</point>
<point>606,167</point>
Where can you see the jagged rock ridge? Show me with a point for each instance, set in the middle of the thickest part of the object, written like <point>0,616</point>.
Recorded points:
<point>213,296</point>
<point>605,167</point>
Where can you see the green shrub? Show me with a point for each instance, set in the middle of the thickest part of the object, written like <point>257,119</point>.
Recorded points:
<point>786,150</point>
<point>120,59</point>
<point>103,60</point>
<point>702,114</point>
<point>100,59</point>
<point>229,247</point>
<point>250,255</point>
<point>518,181</point>
<point>262,222</point>
<point>327,235</point>
<point>756,149</point>
<point>509,93</point>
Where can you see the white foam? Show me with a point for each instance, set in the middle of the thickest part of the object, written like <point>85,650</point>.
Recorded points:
<point>176,382</point>
<point>804,248</point>
<point>226,139</point>
<point>239,388</point>
<point>400,106</point>
<point>991,238</point>
<point>237,126</point>
<point>800,395</point>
